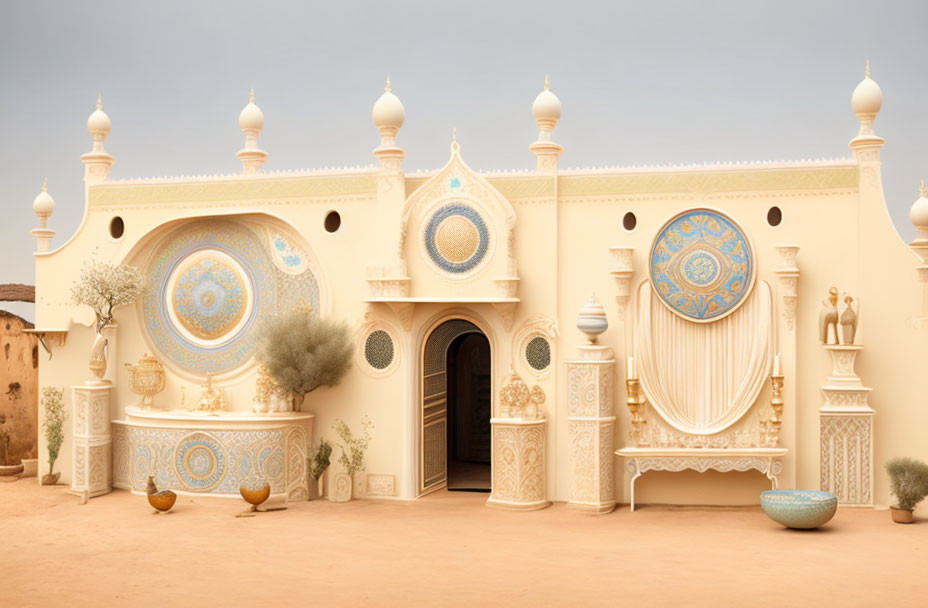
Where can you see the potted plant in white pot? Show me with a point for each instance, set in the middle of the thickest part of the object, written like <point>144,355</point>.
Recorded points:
<point>318,465</point>
<point>104,287</point>
<point>303,352</point>
<point>53,425</point>
<point>352,456</point>
<point>908,481</point>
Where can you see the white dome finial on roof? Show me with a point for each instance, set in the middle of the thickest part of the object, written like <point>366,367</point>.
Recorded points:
<point>388,115</point>
<point>97,163</point>
<point>866,101</point>
<point>43,206</point>
<point>251,121</point>
<point>547,111</point>
<point>918,214</point>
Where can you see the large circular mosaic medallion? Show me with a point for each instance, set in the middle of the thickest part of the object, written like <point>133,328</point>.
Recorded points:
<point>209,283</point>
<point>200,462</point>
<point>701,265</point>
<point>456,238</point>
<point>209,297</point>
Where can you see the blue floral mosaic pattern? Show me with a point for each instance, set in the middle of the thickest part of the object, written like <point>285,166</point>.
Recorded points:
<point>200,462</point>
<point>456,238</point>
<point>701,265</point>
<point>205,299</point>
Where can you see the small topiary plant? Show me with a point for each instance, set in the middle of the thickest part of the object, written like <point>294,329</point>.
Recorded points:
<point>303,352</point>
<point>908,481</point>
<point>320,460</point>
<point>53,424</point>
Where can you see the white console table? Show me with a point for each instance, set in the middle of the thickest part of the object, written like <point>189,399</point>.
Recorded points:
<point>640,460</point>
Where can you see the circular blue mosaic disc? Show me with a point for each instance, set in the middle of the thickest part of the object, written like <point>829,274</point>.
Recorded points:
<point>200,462</point>
<point>701,265</point>
<point>456,238</point>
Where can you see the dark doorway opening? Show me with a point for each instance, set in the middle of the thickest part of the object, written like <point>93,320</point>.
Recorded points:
<point>469,391</point>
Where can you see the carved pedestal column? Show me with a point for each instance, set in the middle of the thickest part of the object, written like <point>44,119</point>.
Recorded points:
<point>91,462</point>
<point>518,464</point>
<point>846,431</point>
<point>591,430</point>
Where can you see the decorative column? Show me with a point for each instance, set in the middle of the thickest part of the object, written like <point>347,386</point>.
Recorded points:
<point>91,440</point>
<point>251,121</point>
<point>519,433</point>
<point>97,163</point>
<point>43,205</point>
<point>846,431</point>
<point>622,271</point>
<point>590,417</point>
<point>91,457</point>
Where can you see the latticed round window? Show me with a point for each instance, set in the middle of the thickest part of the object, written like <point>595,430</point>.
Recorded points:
<point>538,353</point>
<point>378,349</point>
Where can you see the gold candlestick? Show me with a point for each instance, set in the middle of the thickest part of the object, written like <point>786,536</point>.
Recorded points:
<point>776,404</point>
<point>635,402</point>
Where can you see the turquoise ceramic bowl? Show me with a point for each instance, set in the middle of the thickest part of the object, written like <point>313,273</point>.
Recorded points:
<point>803,509</point>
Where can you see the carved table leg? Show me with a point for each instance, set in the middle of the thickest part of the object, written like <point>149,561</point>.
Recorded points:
<point>633,466</point>
<point>771,475</point>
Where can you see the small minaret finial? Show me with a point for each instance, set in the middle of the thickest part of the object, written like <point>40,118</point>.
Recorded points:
<point>867,70</point>
<point>45,185</point>
<point>99,101</point>
<point>386,88</point>
<point>547,83</point>
<point>454,134</point>
<point>251,96</point>
<point>923,190</point>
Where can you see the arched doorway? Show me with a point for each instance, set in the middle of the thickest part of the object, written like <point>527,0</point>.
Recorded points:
<point>456,402</point>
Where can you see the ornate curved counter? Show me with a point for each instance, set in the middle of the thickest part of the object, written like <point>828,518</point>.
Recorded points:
<point>192,453</point>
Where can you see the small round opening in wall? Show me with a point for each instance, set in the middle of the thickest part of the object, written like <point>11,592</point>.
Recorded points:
<point>117,227</point>
<point>629,221</point>
<point>774,216</point>
<point>333,221</point>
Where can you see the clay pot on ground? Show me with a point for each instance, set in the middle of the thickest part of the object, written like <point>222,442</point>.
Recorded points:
<point>30,467</point>
<point>902,516</point>
<point>50,479</point>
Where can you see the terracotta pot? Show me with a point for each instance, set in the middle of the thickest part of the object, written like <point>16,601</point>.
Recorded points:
<point>50,479</point>
<point>902,516</point>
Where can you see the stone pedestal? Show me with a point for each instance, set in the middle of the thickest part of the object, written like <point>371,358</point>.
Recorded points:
<point>591,430</point>
<point>846,431</point>
<point>518,464</point>
<point>91,462</point>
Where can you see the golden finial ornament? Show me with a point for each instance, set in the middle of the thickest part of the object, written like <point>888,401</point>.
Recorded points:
<point>99,101</point>
<point>45,186</point>
<point>387,87</point>
<point>251,96</point>
<point>547,83</point>
<point>922,190</point>
<point>867,70</point>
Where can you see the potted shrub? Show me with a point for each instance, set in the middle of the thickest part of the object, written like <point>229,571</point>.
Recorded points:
<point>318,465</point>
<point>303,352</point>
<point>353,450</point>
<point>105,287</point>
<point>908,481</point>
<point>53,425</point>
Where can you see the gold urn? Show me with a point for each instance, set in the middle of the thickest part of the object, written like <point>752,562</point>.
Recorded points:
<point>146,378</point>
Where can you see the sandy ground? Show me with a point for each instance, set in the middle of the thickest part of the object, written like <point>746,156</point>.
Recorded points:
<point>447,549</point>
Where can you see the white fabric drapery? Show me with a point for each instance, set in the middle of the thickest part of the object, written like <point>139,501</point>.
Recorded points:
<point>703,377</point>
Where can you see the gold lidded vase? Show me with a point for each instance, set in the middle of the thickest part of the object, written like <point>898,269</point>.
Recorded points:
<point>146,378</point>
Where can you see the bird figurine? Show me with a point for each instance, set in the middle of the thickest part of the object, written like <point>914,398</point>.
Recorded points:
<point>161,501</point>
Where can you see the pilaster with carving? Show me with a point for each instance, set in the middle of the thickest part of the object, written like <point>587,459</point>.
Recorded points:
<point>846,431</point>
<point>788,283</point>
<point>91,463</point>
<point>622,271</point>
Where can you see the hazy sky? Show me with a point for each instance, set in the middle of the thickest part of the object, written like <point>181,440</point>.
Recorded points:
<point>641,83</point>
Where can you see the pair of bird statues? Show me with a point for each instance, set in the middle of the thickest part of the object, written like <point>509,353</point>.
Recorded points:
<point>828,319</point>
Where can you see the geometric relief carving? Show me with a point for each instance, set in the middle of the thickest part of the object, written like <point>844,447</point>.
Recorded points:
<point>381,485</point>
<point>591,435</point>
<point>120,455</point>
<point>846,467</point>
<point>582,465</point>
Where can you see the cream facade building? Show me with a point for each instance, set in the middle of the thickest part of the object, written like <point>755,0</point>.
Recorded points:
<point>468,290</point>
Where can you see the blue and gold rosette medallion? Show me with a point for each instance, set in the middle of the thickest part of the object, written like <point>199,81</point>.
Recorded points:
<point>701,265</point>
<point>456,238</point>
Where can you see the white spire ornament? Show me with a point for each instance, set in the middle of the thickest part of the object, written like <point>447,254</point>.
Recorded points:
<point>866,101</point>
<point>43,205</point>
<point>97,163</point>
<point>251,122</point>
<point>547,112</point>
